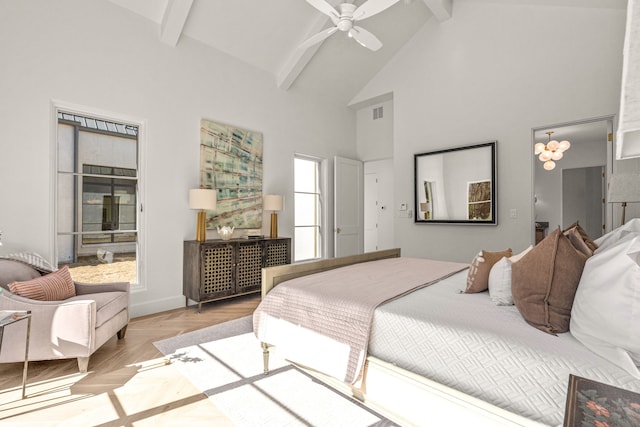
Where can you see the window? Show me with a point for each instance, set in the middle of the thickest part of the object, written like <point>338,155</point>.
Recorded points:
<point>307,209</point>
<point>108,204</point>
<point>97,198</point>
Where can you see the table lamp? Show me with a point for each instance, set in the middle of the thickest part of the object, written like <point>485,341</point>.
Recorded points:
<point>273,203</point>
<point>624,188</point>
<point>202,199</point>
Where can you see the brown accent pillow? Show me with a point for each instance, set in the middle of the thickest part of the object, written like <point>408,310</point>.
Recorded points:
<point>585,237</point>
<point>544,283</point>
<point>54,286</point>
<point>478,276</point>
<point>576,240</point>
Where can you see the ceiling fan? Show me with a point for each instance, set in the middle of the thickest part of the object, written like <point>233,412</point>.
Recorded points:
<point>345,21</point>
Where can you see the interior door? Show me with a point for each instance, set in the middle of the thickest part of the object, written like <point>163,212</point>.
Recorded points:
<point>582,199</point>
<point>370,212</point>
<point>348,206</point>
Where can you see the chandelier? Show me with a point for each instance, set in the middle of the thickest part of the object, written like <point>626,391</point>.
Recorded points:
<point>551,152</point>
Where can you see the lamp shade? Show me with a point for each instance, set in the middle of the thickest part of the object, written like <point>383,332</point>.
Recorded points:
<point>628,144</point>
<point>624,188</point>
<point>273,202</point>
<point>202,198</point>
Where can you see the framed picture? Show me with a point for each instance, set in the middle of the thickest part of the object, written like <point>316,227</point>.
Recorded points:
<point>231,163</point>
<point>456,185</point>
<point>479,200</point>
<point>594,404</point>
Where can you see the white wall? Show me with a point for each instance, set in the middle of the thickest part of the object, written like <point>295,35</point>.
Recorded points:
<point>98,55</point>
<point>374,138</point>
<point>495,71</point>
<point>374,141</point>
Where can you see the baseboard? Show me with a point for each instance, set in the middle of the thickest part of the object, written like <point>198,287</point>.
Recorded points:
<point>144,308</point>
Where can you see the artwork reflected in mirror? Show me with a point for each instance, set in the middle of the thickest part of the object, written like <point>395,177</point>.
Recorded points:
<point>456,185</point>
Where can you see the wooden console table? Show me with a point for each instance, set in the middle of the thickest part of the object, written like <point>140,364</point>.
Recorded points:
<point>218,269</point>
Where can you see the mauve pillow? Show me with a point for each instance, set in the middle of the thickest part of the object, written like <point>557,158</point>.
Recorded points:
<point>54,286</point>
<point>544,282</point>
<point>478,277</point>
<point>577,241</point>
<point>585,237</point>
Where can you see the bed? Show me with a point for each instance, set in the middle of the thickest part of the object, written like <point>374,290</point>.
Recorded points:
<point>457,359</point>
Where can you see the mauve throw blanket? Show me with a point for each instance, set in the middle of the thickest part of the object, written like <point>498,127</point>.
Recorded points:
<point>322,321</point>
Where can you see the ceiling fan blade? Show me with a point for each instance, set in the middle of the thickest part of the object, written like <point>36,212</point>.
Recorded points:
<point>371,7</point>
<point>325,8</point>
<point>317,38</point>
<point>365,38</point>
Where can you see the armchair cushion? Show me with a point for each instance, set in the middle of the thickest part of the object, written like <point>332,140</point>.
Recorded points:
<point>108,304</point>
<point>56,286</point>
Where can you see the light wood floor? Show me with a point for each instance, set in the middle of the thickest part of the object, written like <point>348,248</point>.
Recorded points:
<point>128,382</point>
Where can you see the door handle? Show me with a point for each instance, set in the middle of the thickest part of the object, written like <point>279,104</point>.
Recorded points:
<point>338,230</point>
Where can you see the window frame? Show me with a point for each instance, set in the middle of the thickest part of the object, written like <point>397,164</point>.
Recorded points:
<point>57,107</point>
<point>321,209</point>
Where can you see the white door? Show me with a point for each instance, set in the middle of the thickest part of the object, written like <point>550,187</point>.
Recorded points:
<point>348,207</point>
<point>370,212</point>
<point>582,199</point>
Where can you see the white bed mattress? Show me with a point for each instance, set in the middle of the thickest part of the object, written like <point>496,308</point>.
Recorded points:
<point>468,343</point>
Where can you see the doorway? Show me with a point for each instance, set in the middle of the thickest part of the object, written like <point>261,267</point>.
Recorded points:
<point>563,194</point>
<point>370,212</point>
<point>582,195</point>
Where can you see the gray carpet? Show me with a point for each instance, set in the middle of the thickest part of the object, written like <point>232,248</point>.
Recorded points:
<point>225,363</point>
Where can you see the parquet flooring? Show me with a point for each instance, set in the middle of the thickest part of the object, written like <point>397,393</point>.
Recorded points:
<point>128,382</point>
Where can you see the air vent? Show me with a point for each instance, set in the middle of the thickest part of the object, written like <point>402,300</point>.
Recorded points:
<point>377,113</point>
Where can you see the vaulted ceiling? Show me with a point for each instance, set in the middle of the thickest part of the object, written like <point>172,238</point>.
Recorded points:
<point>266,34</point>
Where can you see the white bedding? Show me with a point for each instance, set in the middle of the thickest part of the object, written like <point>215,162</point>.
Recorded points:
<point>323,320</point>
<point>468,343</point>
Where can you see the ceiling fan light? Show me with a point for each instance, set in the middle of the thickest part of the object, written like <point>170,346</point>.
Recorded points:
<point>345,25</point>
<point>538,148</point>
<point>549,165</point>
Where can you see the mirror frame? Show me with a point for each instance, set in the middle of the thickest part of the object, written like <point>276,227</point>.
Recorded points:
<point>420,215</point>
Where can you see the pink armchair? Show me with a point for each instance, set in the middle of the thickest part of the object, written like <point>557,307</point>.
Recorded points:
<point>71,328</point>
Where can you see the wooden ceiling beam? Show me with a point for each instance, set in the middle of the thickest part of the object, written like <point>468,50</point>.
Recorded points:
<point>173,20</point>
<point>441,9</point>
<point>299,58</point>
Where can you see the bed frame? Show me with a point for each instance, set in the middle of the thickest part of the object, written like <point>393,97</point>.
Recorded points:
<point>400,395</point>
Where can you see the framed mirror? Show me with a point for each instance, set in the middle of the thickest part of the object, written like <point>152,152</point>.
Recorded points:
<point>456,185</point>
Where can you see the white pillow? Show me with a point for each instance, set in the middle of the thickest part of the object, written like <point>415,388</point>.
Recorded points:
<point>605,315</point>
<point>609,239</point>
<point>500,279</point>
<point>500,282</point>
